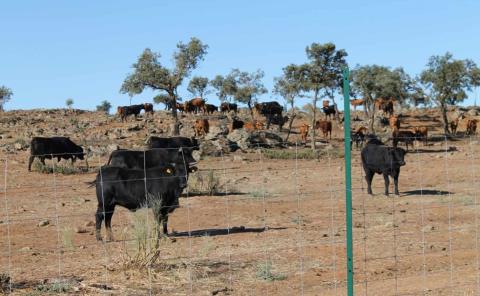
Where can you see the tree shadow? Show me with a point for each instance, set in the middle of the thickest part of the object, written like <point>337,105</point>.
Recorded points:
<point>197,194</point>
<point>450,149</point>
<point>426,192</point>
<point>223,231</point>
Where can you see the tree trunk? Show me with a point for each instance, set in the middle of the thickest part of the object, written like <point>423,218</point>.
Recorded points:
<point>290,126</point>
<point>314,118</point>
<point>249,104</point>
<point>371,112</point>
<point>443,108</point>
<point>176,126</point>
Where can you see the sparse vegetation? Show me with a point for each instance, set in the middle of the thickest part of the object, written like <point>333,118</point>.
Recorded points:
<point>302,154</point>
<point>264,272</point>
<point>204,183</point>
<point>55,287</point>
<point>59,168</point>
<point>67,238</point>
<point>104,106</point>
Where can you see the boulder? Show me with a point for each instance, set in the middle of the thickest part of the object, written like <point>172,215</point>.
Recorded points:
<point>240,137</point>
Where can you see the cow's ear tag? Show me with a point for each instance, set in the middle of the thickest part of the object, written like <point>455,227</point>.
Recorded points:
<point>169,171</point>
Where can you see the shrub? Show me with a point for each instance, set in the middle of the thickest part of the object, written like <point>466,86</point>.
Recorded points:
<point>264,272</point>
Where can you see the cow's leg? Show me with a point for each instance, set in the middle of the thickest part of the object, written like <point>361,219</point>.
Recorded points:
<point>42,160</point>
<point>387,183</point>
<point>395,182</point>
<point>30,161</point>
<point>108,223</point>
<point>369,177</point>
<point>98,223</point>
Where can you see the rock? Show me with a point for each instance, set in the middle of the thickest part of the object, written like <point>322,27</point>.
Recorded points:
<point>238,158</point>
<point>472,112</point>
<point>25,249</point>
<point>18,146</point>
<point>89,224</point>
<point>43,223</point>
<point>112,147</point>
<point>265,139</point>
<point>216,131</point>
<point>240,137</point>
<point>79,229</point>
<point>216,148</point>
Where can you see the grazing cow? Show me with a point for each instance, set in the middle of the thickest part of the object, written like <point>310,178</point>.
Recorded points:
<point>421,133</point>
<point>201,127</point>
<point>276,119</point>
<point>403,136</point>
<point>172,142</point>
<point>158,188</point>
<point>471,126</point>
<point>236,124</point>
<point>197,105</point>
<point>330,110</point>
<point>454,125</point>
<point>125,111</point>
<point>180,107</point>
<point>132,159</point>
<point>394,122</point>
<point>304,132</point>
<point>358,136</point>
<point>227,107</point>
<point>148,108</point>
<point>381,159</point>
<point>356,102</point>
<point>211,108</point>
<point>59,147</point>
<point>325,103</point>
<point>325,126</point>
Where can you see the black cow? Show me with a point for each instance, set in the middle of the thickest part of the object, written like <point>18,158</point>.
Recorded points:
<point>269,108</point>
<point>277,119</point>
<point>158,188</point>
<point>152,158</point>
<point>227,107</point>
<point>59,147</point>
<point>210,108</point>
<point>173,142</point>
<point>403,136</point>
<point>330,110</point>
<point>381,159</point>
<point>125,111</point>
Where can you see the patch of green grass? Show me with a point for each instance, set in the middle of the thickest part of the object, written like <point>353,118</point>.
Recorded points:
<point>53,288</point>
<point>67,238</point>
<point>264,272</point>
<point>59,169</point>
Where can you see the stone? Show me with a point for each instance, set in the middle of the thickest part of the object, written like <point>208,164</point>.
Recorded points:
<point>79,229</point>
<point>43,223</point>
<point>89,224</point>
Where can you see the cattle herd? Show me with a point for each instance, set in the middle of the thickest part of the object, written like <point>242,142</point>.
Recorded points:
<point>156,177</point>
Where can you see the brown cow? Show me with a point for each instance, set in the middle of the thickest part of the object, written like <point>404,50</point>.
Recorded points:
<point>471,126</point>
<point>394,122</point>
<point>148,108</point>
<point>325,126</point>
<point>454,125</point>
<point>403,136</point>
<point>201,127</point>
<point>421,133</point>
<point>227,107</point>
<point>304,132</point>
<point>325,103</point>
<point>198,104</point>
<point>180,107</point>
<point>356,102</point>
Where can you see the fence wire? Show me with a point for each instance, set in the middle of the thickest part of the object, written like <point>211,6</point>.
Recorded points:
<point>255,225</point>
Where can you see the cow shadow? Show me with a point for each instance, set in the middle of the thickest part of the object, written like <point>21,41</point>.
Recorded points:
<point>197,194</point>
<point>223,231</point>
<point>450,149</point>
<point>426,192</point>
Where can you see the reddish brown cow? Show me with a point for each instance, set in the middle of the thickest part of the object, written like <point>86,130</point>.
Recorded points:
<point>471,126</point>
<point>201,127</point>
<point>394,122</point>
<point>254,125</point>
<point>356,102</point>
<point>198,104</point>
<point>421,132</point>
<point>325,126</point>
<point>454,125</point>
<point>304,132</point>
<point>148,108</point>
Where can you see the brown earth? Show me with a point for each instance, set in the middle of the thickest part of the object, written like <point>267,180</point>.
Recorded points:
<point>274,227</point>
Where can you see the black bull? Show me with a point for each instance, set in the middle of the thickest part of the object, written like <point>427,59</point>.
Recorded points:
<point>383,160</point>
<point>59,147</point>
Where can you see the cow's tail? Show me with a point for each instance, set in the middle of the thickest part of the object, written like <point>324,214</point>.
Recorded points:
<point>110,158</point>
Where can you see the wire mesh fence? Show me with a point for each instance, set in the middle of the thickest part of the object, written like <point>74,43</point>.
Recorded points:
<point>250,224</point>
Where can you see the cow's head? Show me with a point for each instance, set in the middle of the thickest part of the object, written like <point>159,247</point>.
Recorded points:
<point>398,156</point>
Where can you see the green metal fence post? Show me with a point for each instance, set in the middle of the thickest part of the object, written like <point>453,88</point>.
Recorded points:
<point>348,179</point>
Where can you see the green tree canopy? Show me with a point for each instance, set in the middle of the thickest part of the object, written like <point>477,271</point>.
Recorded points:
<point>322,75</point>
<point>149,72</point>
<point>104,106</point>
<point>198,86</point>
<point>447,80</point>
<point>225,86</point>
<point>248,86</point>
<point>373,82</point>
<point>69,102</point>
<point>5,96</point>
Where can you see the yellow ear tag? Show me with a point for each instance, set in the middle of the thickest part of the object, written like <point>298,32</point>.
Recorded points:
<point>169,171</point>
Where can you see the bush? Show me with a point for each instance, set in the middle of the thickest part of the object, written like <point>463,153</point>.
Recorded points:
<point>264,272</point>
<point>104,106</point>
<point>301,154</point>
<point>59,169</point>
<point>204,183</point>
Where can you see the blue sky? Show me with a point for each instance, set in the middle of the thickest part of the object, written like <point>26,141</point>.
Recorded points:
<point>54,50</point>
